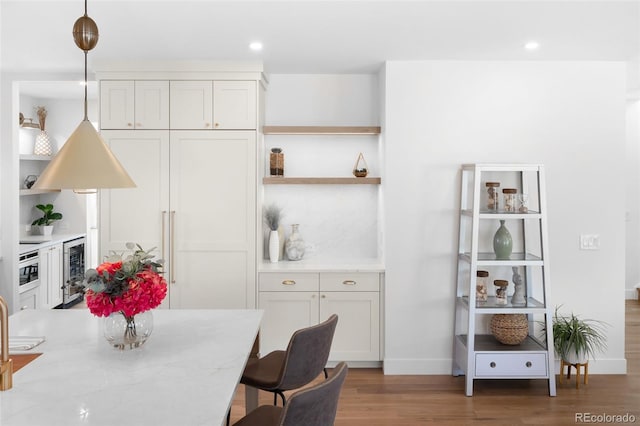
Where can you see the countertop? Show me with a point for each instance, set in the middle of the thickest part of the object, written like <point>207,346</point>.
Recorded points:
<point>55,239</point>
<point>185,374</point>
<point>323,265</point>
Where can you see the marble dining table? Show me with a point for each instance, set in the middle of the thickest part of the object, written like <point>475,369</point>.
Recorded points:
<point>185,374</point>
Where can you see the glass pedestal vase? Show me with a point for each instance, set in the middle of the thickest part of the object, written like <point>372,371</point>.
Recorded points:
<point>125,333</point>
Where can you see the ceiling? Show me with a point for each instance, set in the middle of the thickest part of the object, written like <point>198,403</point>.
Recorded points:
<point>307,36</point>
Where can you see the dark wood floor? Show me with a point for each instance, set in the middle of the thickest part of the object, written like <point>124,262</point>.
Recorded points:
<point>371,398</point>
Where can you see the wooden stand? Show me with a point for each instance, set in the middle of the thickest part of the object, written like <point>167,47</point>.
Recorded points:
<point>577,367</point>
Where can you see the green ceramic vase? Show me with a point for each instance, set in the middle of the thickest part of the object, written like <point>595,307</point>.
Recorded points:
<point>502,242</point>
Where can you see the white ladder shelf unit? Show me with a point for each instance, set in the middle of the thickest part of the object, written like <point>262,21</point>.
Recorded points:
<point>476,352</point>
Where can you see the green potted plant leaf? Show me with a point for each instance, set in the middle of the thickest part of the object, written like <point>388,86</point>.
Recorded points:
<point>44,224</point>
<point>576,340</point>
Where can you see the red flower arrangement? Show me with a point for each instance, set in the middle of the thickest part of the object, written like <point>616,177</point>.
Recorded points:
<point>130,286</point>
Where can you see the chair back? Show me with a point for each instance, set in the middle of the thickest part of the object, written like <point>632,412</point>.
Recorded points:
<point>316,405</point>
<point>307,354</point>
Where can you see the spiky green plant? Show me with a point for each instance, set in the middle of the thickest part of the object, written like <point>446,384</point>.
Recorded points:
<point>584,336</point>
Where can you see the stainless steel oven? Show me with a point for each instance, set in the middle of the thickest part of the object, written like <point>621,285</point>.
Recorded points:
<point>73,271</point>
<point>29,271</point>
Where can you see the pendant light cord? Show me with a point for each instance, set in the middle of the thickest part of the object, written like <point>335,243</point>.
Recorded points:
<point>86,115</point>
<point>86,83</point>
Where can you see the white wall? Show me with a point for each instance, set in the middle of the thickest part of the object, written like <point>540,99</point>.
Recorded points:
<point>633,180</point>
<point>337,222</point>
<point>569,116</point>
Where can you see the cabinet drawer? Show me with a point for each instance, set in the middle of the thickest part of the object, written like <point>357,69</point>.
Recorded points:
<point>355,281</point>
<point>289,282</point>
<point>511,365</point>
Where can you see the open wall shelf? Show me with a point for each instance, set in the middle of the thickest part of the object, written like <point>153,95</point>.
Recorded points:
<point>321,181</point>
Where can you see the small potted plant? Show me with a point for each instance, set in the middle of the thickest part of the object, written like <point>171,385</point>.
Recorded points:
<point>44,225</point>
<point>575,339</point>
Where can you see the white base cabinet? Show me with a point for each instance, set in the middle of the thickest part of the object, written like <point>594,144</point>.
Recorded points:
<point>50,276</point>
<point>296,300</point>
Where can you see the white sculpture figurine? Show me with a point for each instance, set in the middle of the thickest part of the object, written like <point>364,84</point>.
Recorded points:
<point>518,297</point>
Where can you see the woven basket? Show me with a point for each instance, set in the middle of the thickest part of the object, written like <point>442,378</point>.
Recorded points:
<point>510,329</point>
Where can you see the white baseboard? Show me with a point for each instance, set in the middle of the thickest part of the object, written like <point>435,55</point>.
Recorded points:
<point>417,366</point>
<point>443,366</point>
<point>631,293</point>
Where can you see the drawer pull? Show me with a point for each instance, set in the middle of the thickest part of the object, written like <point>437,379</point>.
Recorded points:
<point>288,282</point>
<point>492,365</point>
<point>324,296</point>
<point>528,364</point>
<point>349,282</point>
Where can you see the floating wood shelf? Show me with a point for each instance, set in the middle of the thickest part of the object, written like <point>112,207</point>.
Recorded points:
<point>321,130</point>
<point>321,181</point>
<point>37,191</point>
<point>35,157</point>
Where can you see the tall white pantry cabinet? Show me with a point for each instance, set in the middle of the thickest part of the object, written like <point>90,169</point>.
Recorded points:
<point>186,133</point>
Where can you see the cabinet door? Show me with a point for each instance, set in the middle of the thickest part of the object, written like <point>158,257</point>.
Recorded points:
<point>284,313</point>
<point>30,299</point>
<point>191,104</point>
<point>152,104</point>
<point>117,104</point>
<point>357,336</point>
<point>140,214</point>
<point>234,104</point>
<point>213,193</point>
<point>54,276</point>
<point>43,274</point>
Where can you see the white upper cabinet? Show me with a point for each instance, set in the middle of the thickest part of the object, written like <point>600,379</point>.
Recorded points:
<point>152,105</point>
<point>218,105</point>
<point>192,105</point>
<point>117,102</point>
<point>128,104</point>
<point>234,105</point>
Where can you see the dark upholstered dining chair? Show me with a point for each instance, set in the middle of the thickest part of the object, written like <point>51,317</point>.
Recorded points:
<point>302,361</point>
<point>313,406</point>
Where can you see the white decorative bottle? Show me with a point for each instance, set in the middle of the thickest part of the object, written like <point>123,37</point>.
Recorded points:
<point>294,247</point>
<point>274,246</point>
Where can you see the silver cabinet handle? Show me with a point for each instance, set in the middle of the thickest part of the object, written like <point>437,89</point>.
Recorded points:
<point>288,282</point>
<point>349,282</point>
<point>172,222</point>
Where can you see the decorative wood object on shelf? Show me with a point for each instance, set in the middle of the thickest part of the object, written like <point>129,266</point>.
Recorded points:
<point>321,181</point>
<point>321,130</point>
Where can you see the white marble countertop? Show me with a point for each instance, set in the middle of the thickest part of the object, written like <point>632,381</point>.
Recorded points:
<point>55,239</point>
<point>185,374</point>
<point>323,265</point>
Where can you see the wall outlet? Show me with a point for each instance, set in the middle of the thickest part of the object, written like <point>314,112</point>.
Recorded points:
<point>589,242</point>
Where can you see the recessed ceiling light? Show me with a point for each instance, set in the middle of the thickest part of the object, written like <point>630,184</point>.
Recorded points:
<point>256,45</point>
<point>532,45</point>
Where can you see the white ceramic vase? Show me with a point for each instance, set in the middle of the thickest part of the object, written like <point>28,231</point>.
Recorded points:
<point>274,246</point>
<point>571,357</point>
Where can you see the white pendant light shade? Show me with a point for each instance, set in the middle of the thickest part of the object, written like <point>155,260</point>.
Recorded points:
<point>84,162</point>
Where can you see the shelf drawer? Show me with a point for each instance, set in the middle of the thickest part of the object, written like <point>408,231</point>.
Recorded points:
<point>354,281</point>
<point>289,282</point>
<point>511,365</point>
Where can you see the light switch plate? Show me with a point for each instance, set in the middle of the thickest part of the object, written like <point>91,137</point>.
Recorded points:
<point>589,242</point>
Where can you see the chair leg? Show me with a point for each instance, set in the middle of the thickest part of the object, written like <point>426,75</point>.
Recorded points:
<point>275,399</point>
<point>228,417</point>
<point>326,373</point>
<point>284,401</point>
